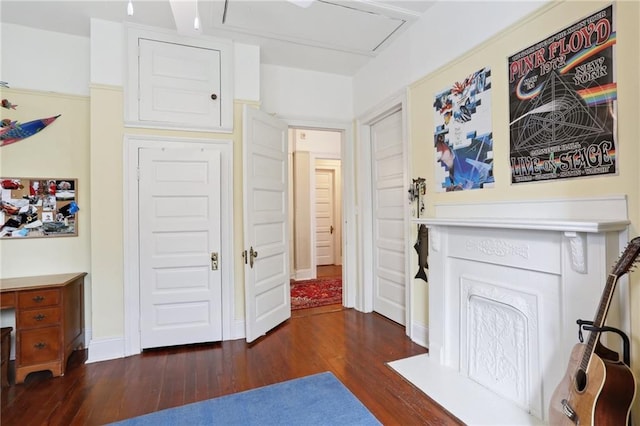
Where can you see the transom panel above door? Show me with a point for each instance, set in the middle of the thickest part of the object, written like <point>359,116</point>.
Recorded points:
<point>178,82</point>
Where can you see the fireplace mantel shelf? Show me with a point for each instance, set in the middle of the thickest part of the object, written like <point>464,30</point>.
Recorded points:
<point>595,226</point>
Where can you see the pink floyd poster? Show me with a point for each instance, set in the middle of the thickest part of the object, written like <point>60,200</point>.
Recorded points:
<point>463,139</point>
<point>562,103</point>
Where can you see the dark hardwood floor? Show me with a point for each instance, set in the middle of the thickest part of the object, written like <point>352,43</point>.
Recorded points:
<point>352,345</point>
<point>329,271</point>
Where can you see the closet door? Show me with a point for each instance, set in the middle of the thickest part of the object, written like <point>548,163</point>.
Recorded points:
<point>388,196</point>
<point>179,84</point>
<point>180,244</point>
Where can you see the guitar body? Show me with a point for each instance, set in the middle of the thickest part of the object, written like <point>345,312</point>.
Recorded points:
<point>605,399</point>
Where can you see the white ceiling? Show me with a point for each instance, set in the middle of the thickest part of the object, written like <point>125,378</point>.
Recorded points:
<point>336,36</point>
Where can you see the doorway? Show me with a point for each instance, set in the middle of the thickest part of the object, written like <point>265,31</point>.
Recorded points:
<point>315,201</point>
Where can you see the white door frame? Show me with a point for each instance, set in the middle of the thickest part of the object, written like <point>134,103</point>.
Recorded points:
<point>132,144</point>
<point>349,208</point>
<point>395,103</point>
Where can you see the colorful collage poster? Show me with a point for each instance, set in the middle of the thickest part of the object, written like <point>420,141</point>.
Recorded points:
<point>562,103</point>
<point>463,139</point>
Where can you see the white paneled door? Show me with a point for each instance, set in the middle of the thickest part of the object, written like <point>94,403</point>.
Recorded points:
<point>325,199</point>
<point>179,84</point>
<point>180,282</point>
<point>266,226</point>
<point>389,200</point>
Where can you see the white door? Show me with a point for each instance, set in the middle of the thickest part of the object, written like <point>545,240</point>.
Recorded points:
<point>179,84</point>
<point>180,287</point>
<point>325,225</point>
<point>388,218</point>
<point>266,229</point>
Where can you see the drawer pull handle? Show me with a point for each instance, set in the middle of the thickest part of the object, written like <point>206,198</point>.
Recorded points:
<point>38,299</point>
<point>40,345</point>
<point>39,317</point>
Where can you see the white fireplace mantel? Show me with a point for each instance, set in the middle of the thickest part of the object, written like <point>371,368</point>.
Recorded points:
<point>531,267</point>
<point>562,225</point>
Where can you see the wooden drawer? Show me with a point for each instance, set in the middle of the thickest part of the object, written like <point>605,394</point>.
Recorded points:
<point>8,299</point>
<point>37,298</point>
<point>39,317</point>
<point>39,345</point>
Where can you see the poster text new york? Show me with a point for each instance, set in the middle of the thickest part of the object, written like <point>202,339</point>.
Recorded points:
<point>551,54</point>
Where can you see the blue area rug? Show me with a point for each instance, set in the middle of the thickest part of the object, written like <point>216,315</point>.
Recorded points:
<point>320,399</point>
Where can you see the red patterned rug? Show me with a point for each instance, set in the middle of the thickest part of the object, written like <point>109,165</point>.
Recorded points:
<point>313,293</point>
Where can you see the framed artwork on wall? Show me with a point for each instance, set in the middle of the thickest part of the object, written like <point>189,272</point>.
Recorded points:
<point>38,207</point>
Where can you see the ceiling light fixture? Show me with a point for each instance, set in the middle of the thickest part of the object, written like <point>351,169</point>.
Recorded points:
<point>196,20</point>
<point>130,8</point>
<point>302,3</point>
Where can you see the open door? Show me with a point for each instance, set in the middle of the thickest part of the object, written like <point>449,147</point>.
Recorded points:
<point>266,229</point>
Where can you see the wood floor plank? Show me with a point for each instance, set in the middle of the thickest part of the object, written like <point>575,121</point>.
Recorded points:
<point>356,347</point>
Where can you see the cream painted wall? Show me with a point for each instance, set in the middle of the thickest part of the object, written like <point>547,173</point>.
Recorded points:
<point>60,150</point>
<point>493,53</point>
<point>302,217</point>
<point>106,161</point>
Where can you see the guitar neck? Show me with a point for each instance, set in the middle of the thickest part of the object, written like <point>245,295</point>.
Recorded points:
<point>599,320</point>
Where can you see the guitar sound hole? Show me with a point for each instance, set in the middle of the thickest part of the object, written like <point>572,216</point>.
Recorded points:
<point>581,380</point>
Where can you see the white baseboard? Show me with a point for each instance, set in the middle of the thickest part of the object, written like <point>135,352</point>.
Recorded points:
<point>237,330</point>
<point>305,274</point>
<point>420,334</point>
<point>113,347</point>
<point>105,349</point>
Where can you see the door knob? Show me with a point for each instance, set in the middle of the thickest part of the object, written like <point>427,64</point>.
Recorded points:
<point>331,229</point>
<point>252,255</point>
<point>214,261</point>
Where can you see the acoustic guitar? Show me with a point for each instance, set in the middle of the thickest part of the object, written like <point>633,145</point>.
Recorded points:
<point>597,388</point>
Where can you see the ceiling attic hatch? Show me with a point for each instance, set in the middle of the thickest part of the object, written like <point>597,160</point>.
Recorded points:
<point>349,26</point>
